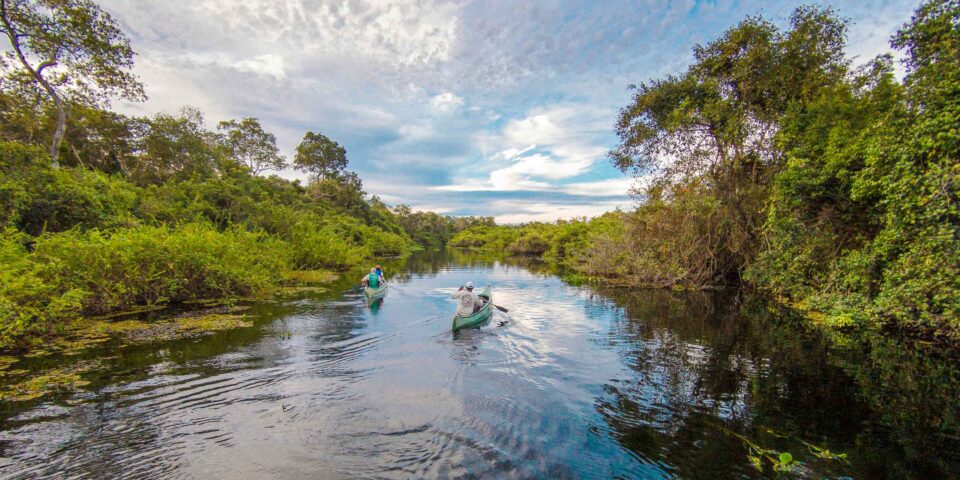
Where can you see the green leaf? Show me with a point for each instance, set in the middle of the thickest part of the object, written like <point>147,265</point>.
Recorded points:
<point>786,458</point>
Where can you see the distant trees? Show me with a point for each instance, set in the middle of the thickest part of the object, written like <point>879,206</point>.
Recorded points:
<point>249,144</point>
<point>71,50</point>
<point>434,229</point>
<point>319,155</point>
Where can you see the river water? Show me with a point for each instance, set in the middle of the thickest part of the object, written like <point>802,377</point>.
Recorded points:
<point>577,382</point>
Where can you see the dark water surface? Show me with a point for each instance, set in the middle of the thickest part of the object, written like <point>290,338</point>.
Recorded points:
<point>576,383</point>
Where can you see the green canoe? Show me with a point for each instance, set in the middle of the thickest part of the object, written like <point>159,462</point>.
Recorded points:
<point>479,316</point>
<point>375,292</point>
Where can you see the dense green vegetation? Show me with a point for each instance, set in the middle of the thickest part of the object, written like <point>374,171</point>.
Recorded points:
<point>80,241</point>
<point>778,163</point>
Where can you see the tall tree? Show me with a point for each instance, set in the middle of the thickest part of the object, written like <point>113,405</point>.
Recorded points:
<point>320,155</point>
<point>70,49</point>
<point>174,147</point>
<point>718,122</point>
<point>251,145</point>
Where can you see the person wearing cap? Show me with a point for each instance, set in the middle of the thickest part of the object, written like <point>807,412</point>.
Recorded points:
<point>469,301</point>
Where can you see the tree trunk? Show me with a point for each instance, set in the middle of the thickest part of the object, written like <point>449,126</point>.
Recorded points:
<point>37,74</point>
<point>60,131</point>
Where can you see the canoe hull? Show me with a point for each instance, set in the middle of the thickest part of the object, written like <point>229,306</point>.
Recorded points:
<point>375,292</point>
<point>478,318</point>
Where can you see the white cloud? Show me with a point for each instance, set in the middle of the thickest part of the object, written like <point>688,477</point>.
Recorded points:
<point>271,65</point>
<point>416,131</point>
<point>400,33</point>
<point>267,65</point>
<point>603,188</point>
<point>521,211</point>
<point>445,102</point>
<point>541,148</point>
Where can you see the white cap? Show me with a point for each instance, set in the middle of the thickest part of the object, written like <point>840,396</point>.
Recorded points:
<point>468,285</point>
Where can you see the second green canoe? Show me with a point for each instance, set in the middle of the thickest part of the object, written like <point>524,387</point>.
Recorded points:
<point>479,316</point>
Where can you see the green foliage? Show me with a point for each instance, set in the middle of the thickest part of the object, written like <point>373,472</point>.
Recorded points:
<point>152,265</point>
<point>174,148</point>
<point>96,272</point>
<point>491,239</point>
<point>319,155</point>
<point>250,145</point>
<point>865,217</point>
<point>715,125</point>
<point>82,242</point>
<point>531,243</point>
<point>831,185</point>
<point>91,56</point>
<point>29,302</point>
<point>37,198</point>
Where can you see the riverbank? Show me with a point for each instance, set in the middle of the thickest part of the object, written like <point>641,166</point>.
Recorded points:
<point>602,251</point>
<point>87,243</point>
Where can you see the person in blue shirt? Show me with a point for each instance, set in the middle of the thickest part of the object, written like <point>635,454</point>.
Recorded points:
<point>380,272</point>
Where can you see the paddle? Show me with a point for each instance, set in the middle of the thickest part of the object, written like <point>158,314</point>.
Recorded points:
<point>358,288</point>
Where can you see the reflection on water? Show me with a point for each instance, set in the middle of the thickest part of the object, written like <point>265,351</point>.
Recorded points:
<point>575,383</point>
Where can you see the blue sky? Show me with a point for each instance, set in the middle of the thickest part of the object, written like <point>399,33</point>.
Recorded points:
<point>461,107</point>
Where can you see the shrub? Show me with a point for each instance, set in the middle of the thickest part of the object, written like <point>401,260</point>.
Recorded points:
<point>37,198</point>
<point>96,272</point>
<point>315,246</point>
<point>532,243</point>
<point>32,298</point>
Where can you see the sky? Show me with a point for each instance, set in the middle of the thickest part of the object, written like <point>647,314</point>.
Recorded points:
<point>494,108</point>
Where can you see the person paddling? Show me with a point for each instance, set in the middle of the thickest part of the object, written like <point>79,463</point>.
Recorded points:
<point>372,280</point>
<point>469,301</point>
<point>380,272</point>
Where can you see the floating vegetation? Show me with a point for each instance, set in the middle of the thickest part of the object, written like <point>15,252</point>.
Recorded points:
<point>191,326</point>
<point>86,334</point>
<point>131,312</point>
<point>781,461</point>
<point>290,291</point>
<point>308,276</point>
<point>50,381</point>
<point>213,302</point>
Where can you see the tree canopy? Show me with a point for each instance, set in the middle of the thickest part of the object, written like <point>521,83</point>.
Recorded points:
<point>319,155</point>
<point>250,145</point>
<point>71,50</point>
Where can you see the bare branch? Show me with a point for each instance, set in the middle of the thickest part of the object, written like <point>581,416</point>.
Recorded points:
<point>48,63</point>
